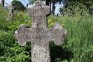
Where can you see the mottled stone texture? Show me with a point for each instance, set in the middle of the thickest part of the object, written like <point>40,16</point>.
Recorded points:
<point>39,35</point>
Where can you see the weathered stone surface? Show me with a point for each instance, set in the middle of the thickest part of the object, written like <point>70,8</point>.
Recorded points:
<point>22,35</point>
<point>39,35</point>
<point>11,11</point>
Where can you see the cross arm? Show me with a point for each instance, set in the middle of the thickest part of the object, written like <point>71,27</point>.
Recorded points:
<point>47,10</point>
<point>57,34</point>
<point>22,35</point>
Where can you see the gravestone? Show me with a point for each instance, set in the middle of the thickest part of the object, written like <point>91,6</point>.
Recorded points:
<point>39,35</point>
<point>11,9</point>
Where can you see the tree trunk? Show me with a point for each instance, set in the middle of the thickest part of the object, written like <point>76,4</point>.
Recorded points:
<point>2,2</point>
<point>47,2</point>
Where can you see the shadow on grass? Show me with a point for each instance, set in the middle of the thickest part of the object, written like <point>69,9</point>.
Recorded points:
<point>58,53</point>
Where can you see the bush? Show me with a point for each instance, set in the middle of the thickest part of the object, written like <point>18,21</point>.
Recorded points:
<point>79,40</point>
<point>10,51</point>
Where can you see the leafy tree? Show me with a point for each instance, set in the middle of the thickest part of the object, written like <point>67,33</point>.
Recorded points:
<point>31,1</point>
<point>18,5</point>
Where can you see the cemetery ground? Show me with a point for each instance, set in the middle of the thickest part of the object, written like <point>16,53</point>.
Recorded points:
<point>77,47</point>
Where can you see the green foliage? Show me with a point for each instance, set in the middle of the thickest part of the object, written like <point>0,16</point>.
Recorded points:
<point>75,10</point>
<point>31,1</point>
<point>3,16</point>
<point>80,7</point>
<point>79,39</point>
<point>78,45</point>
<point>18,5</point>
<point>10,51</point>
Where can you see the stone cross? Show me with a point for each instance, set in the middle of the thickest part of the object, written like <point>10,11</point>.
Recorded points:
<point>39,35</point>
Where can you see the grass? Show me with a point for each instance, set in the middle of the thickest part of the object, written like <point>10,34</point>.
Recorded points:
<point>79,40</point>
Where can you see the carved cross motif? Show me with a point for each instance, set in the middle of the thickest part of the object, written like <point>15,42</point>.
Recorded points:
<point>39,35</point>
